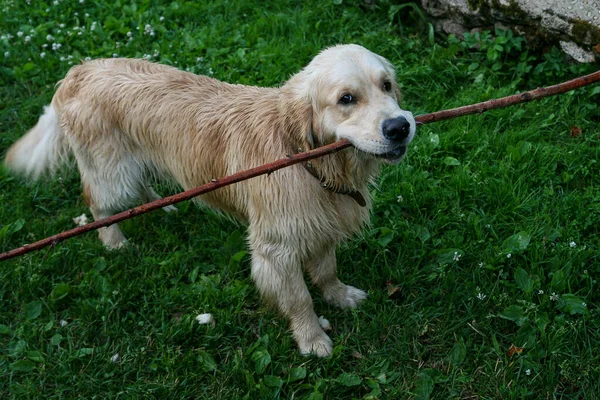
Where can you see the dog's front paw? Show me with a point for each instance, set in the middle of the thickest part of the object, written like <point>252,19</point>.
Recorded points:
<point>354,297</point>
<point>345,297</point>
<point>169,208</point>
<point>319,345</point>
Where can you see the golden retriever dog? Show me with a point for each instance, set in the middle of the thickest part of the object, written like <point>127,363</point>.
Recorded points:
<point>128,122</point>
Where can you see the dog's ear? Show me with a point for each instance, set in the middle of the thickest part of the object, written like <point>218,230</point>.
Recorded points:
<point>296,113</point>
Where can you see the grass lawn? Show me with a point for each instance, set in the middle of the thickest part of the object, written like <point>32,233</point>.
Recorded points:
<point>489,229</point>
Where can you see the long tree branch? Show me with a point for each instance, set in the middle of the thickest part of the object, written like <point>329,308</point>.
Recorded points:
<point>298,158</point>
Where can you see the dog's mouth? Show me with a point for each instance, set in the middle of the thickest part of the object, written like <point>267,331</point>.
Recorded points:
<point>394,155</point>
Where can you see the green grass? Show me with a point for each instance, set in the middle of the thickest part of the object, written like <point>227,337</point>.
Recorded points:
<point>489,228</point>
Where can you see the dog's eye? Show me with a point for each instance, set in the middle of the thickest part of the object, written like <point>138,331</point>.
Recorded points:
<point>347,99</point>
<point>387,86</point>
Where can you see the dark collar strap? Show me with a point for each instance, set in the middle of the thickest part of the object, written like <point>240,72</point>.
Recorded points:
<point>355,194</point>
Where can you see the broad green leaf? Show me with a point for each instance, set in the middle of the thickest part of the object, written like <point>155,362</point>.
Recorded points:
<point>450,161</point>
<point>514,313</point>
<point>16,348</point>
<point>348,379</point>
<point>261,358</point>
<point>421,232</point>
<point>35,356</point>
<point>423,386</point>
<point>458,353</point>
<point>32,310</point>
<point>4,329</point>
<point>386,235</point>
<point>559,281</point>
<point>272,381</point>
<point>60,291</point>
<point>22,365</point>
<point>434,139</point>
<point>296,374</point>
<point>574,304</point>
<point>523,280</point>
<point>516,243</point>
<point>542,320</point>
<point>56,339</point>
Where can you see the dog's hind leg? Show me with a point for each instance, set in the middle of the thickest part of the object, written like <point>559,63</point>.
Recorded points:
<point>148,194</point>
<point>110,184</point>
<point>277,273</point>
<point>322,270</point>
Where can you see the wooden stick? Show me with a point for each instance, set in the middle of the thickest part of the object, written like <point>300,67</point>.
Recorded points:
<point>298,158</point>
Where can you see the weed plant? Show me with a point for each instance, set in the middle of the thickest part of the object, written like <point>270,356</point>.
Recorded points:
<point>488,233</point>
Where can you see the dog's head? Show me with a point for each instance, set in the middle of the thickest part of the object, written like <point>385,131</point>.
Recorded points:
<point>353,95</point>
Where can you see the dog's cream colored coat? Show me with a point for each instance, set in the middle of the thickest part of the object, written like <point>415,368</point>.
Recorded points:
<point>128,121</point>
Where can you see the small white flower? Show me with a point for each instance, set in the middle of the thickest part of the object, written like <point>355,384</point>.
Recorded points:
<point>115,55</point>
<point>161,19</point>
<point>62,25</point>
<point>508,255</point>
<point>204,319</point>
<point>82,219</point>
<point>81,1</point>
<point>585,271</point>
<point>87,14</point>
<point>6,53</point>
<point>62,58</point>
<point>129,34</point>
<point>456,256</point>
<point>481,264</point>
<point>115,359</point>
<point>79,33</point>
<point>88,58</point>
<point>76,13</point>
<point>19,34</point>
<point>481,296</point>
<point>55,2</point>
<point>540,292</point>
<point>45,45</point>
<point>528,372</point>
<point>27,39</point>
<point>488,226</point>
<point>572,245</point>
<point>42,54</point>
<point>63,323</point>
<point>326,325</point>
<point>553,296</point>
<point>49,38</point>
<point>400,199</point>
<point>56,46</point>
<point>146,56</point>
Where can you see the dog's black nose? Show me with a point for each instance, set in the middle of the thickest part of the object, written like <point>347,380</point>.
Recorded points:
<point>396,129</point>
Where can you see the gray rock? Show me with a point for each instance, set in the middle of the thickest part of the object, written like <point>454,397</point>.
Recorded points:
<point>574,24</point>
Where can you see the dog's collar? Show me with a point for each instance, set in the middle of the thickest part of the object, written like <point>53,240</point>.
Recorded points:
<point>355,194</point>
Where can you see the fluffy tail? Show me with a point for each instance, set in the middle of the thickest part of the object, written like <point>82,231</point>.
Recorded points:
<point>41,150</point>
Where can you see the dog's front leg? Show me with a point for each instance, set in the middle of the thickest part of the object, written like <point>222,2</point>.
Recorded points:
<point>322,270</point>
<point>277,271</point>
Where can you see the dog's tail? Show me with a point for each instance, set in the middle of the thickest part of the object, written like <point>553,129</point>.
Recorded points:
<point>41,150</point>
